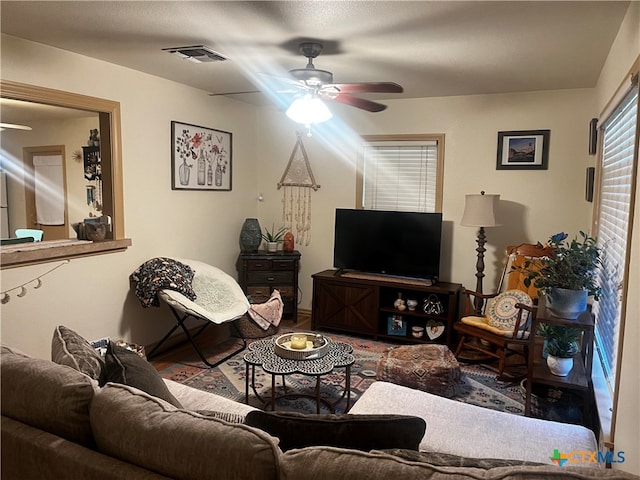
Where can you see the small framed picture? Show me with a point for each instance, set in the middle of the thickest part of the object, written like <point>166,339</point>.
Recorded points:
<point>523,150</point>
<point>200,158</point>
<point>396,325</point>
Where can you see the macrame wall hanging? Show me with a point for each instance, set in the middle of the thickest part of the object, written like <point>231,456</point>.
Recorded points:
<point>298,182</point>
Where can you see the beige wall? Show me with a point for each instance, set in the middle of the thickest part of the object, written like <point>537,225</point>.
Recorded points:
<point>92,294</point>
<point>623,54</point>
<point>534,203</point>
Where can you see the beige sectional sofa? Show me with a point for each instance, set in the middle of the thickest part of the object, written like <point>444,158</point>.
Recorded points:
<point>57,423</point>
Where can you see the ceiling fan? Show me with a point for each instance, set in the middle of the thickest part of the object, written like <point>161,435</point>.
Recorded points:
<point>319,83</point>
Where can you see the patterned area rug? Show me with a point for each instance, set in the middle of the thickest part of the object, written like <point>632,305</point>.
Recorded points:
<point>478,384</point>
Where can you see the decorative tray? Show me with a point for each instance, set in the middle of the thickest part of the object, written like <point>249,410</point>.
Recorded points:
<point>283,347</point>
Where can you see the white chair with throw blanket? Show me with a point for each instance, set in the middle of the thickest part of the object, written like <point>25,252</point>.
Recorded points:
<point>216,297</point>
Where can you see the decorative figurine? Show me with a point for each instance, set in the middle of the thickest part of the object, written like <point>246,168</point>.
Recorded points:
<point>399,303</point>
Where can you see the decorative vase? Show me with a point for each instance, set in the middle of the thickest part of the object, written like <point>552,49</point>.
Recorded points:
<point>399,304</point>
<point>559,367</point>
<point>202,169</point>
<point>218,176</point>
<point>289,242</point>
<point>250,235</point>
<point>184,172</point>
<point>566,303</point>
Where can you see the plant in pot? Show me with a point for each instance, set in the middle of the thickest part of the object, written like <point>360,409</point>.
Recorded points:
<point>561,345</point>
<point>272,237</point>
<point>546,330</point>
<point>568,277</point>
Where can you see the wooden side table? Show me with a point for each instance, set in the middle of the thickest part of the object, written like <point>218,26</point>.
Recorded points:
<point>579,379</point>
<point>259,273</point>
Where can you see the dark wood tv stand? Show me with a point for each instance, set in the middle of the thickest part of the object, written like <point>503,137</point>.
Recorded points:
<point>361,303</point>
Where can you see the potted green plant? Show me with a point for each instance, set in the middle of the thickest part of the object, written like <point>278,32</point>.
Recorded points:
<point>567,277</point>
<point>272,237</point>
<point>561,345</point>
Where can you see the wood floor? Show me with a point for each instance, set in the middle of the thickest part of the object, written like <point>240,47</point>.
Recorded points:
<point>211,336</point>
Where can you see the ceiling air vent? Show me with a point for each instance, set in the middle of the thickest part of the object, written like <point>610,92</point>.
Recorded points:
<point>196,53</point>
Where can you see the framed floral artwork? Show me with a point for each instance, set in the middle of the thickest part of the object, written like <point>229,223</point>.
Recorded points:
<point>200,158</point>
<point>523,150</point>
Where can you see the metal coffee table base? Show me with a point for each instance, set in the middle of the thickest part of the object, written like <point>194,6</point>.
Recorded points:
<point>262,353</point>
<point>274,398</point>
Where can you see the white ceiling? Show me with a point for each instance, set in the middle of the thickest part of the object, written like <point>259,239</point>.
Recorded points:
<point>430,48</point>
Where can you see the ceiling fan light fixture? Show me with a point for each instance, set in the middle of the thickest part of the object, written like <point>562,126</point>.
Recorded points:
<point>308,109</point>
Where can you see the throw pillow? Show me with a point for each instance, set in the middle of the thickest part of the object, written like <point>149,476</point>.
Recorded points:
<point>128,368</point>
<point>69,348</point>
<point>502,312</point>
<point>358,432</point>
<point>51,397</point>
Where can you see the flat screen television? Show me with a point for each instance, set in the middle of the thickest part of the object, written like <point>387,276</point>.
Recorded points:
<point>404,244</point>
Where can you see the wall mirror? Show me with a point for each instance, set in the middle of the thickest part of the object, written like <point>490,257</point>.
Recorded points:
<point>89,176</point>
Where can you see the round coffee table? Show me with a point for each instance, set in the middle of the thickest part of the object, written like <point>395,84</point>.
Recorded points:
<point>262,354</point>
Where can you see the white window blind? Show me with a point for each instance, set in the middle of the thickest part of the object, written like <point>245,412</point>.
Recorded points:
<point>400,176</point>
<point>616,193</point>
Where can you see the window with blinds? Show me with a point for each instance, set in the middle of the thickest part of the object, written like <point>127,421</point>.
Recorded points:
<point>402,175</point>
<point>616,193</point>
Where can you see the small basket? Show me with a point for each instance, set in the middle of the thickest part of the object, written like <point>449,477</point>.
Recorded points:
<point>250,329</point>
<point>282,348</point>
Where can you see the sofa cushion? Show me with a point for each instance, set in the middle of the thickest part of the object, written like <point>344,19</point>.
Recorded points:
<point>45,395</point>
<point>360,432</point>
<point>449,422</point>
<point>331,462</point>
<point>69,348</point>
<point>193,399</point>
<point>178,443</point>
<point>29,453</point>
<point>127,367</point>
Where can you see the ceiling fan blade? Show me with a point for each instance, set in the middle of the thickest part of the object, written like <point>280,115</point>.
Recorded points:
<point>362,103</point>
<point>284,81</point>
<point>368,87</point>
<point>233,93</point>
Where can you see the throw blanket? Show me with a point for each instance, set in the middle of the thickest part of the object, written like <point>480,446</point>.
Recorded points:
<point>267,313</point>
<point>162,273</point>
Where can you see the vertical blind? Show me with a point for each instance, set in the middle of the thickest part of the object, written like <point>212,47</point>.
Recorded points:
<point>400,176</point>
<point>616,194</point>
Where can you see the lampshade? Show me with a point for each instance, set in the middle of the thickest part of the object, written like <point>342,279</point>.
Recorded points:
<point>479,210</point>
<point>308,109</point>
